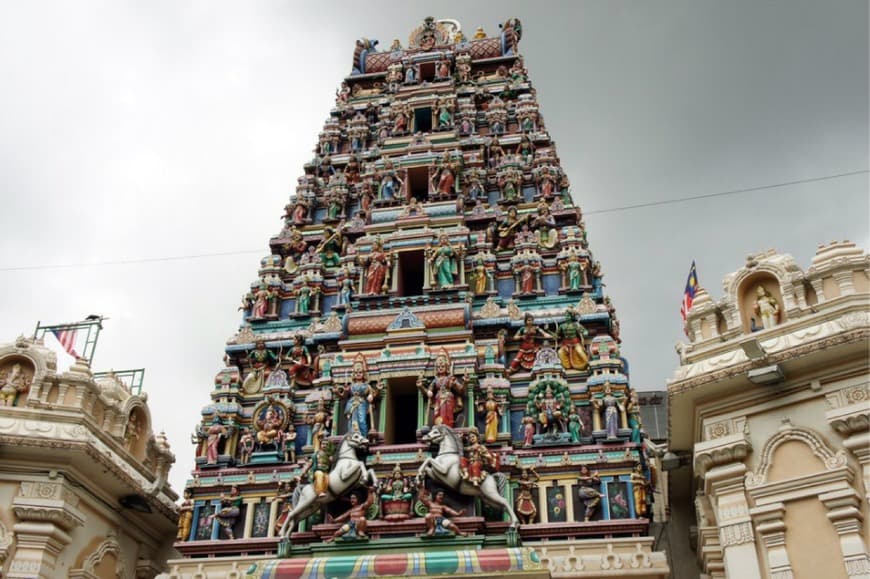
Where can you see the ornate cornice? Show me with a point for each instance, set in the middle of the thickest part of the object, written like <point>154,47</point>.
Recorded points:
<point>721,451</point>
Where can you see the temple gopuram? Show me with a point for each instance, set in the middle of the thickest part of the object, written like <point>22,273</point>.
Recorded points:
<point>427,379</point>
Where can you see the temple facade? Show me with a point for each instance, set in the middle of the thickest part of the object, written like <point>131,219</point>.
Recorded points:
<point>83,491</point>
<point>770,421</point>
<point>427,378</point>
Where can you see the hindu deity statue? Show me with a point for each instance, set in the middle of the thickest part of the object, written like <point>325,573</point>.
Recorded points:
<point>356,525</point>
<point>301,369</point>
<point>632,411</point>
<point>396,494</point>
<point>246,446</point>
<point>229,512</point>
<point>185,516</point>
<point>259,359</point>
<point>12,382</point>
<point>391,184</point>
<point>570,332</point>
<point>528,431</point>
<point>492,411</point>
<point>507,228</point>
<point>525,502</point>
<point>263,298</point>
<point>437,522</point>
<point>640,487</point>
<point>575,273</point>
<point>268,427</point>
<point>331,247</point>
<point>611,409</point>
<point>320,422</point>
<point>476,459</point>
<point>766,307</point>
<point>444,262</point>
<point>575,425</point>
<point>213,436</point>
<point>481,277</point>
<point>319,464</point>
<point>444,392</point>
<point>550,412</point>
<point>444,179</point>
<point>589,484</point>
<point>529,335</point>
<point>378,262</point>
<point>360,396</point>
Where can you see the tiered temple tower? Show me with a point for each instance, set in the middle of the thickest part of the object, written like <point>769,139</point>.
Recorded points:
<point>431,294</point>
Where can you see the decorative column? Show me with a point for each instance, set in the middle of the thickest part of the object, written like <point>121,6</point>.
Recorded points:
<point>250,505</point>
<point>46,512</point>
<point>844,512</point>
<point>770,525</point>
<point>850,416</point>
<point>718,462</point>
<point>273,517</point>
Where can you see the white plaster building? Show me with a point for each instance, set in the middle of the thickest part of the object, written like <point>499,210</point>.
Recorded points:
<point>771,405</point>
<point>83,489</point>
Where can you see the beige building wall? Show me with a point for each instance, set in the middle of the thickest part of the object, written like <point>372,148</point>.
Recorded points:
<point>773,425</point>
<point>83,490</point>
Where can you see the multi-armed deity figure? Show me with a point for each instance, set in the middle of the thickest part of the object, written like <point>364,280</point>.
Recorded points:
<point>360,397</point>
<point>444,392</point>
<point>301,369</point>
<point>259,359</point>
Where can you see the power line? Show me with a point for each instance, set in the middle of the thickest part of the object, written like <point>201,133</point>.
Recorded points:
<point>724,193</point>
<point>592,212</point>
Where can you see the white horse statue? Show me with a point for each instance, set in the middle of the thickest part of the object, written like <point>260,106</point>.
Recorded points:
<point>347,473</point>
<point>445,469</point>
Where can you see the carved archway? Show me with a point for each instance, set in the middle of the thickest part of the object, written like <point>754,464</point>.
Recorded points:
<point>788,432</point>
<point>90,568</point>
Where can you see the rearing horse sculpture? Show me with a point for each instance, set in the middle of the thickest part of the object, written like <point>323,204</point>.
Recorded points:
<point>349,472</point>
<point>445,469</point>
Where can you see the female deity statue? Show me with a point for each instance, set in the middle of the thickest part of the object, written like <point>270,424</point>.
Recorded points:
<point>378,273</point>
<point>445,113</point>
<point>525,149</point>
<point>361,395</point>
<point>492,410</point>
<point>572,353</point>
<point>529,333</point>
<point>575,425</point>
<point>301,370</point>
<point>507,228</point>
<point>525,503</point>
<point>444,392</point>
<point>303,298</point>
<point>575,273</point>
<point>345,287</point>
<point>590,496</point>
<point>213,440</point>
<point>246,446</point>
<point>443,180</point>
<point>480,275</point>
<point>262,298</point>
<point>528,431</point>
<point>526,273</point>
<point>766,307</point>
<point>443,261</point>
<point>259,359</point>
<point>396,494</point>
<point>391,184</point>
<point>612,407</point>
<point>331,246</point>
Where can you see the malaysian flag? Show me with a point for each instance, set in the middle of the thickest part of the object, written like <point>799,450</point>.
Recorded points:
<point>67,339</point>
<point>689,296</point>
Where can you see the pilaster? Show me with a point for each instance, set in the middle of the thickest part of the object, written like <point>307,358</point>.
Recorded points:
<point>771,527</point>
<point>46,511</point>
<point>845,514</point>
<point>718,462</point>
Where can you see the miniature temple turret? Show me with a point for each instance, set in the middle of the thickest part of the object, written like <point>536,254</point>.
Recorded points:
<point>431,306</point>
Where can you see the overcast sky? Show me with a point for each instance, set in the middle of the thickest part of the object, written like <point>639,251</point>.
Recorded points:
<point>168,129</point>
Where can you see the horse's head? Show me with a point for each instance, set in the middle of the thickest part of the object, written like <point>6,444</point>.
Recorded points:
<point>435,435</point>
<point>357,441</point>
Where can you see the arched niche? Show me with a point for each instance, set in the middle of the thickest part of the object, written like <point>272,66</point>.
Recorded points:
<point>748,298</point>
<point>137,428</point>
